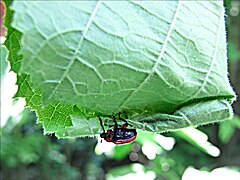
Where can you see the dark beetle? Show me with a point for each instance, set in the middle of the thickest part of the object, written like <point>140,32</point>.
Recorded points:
<point>118,135</point>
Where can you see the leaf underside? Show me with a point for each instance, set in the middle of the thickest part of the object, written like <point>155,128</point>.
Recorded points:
<point>162,63</point>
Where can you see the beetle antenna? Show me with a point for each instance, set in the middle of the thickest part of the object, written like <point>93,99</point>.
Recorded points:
<point>101,124</point>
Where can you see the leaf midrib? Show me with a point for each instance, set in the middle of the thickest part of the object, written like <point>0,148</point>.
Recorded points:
<point>158,60</point>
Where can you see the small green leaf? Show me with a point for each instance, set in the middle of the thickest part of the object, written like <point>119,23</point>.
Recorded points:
<point>236,121</point>
<point>4,64</point>
<point>163,63</point>
<point>227,129</point>
<point>199,140</point>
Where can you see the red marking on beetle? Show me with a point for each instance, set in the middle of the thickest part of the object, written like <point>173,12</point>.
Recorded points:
<point>124,141</point>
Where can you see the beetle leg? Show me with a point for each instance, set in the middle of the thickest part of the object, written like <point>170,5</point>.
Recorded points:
<point>115,122</point>
<point>120,118</point>
<point>101,124</point>
<point>124,126</point>
<point>115,126</point>
<point>126,123</point>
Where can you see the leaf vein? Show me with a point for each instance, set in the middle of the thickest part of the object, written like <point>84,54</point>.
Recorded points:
<point>213,59</point>
<point>78,47</point>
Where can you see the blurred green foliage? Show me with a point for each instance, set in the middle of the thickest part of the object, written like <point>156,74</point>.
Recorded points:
<point>233,52</point>
<point>227,129</point>
<point>27,154</point>
<point>4,64</point>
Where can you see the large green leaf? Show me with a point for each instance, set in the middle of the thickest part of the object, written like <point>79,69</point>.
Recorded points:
<point>164,60</point>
